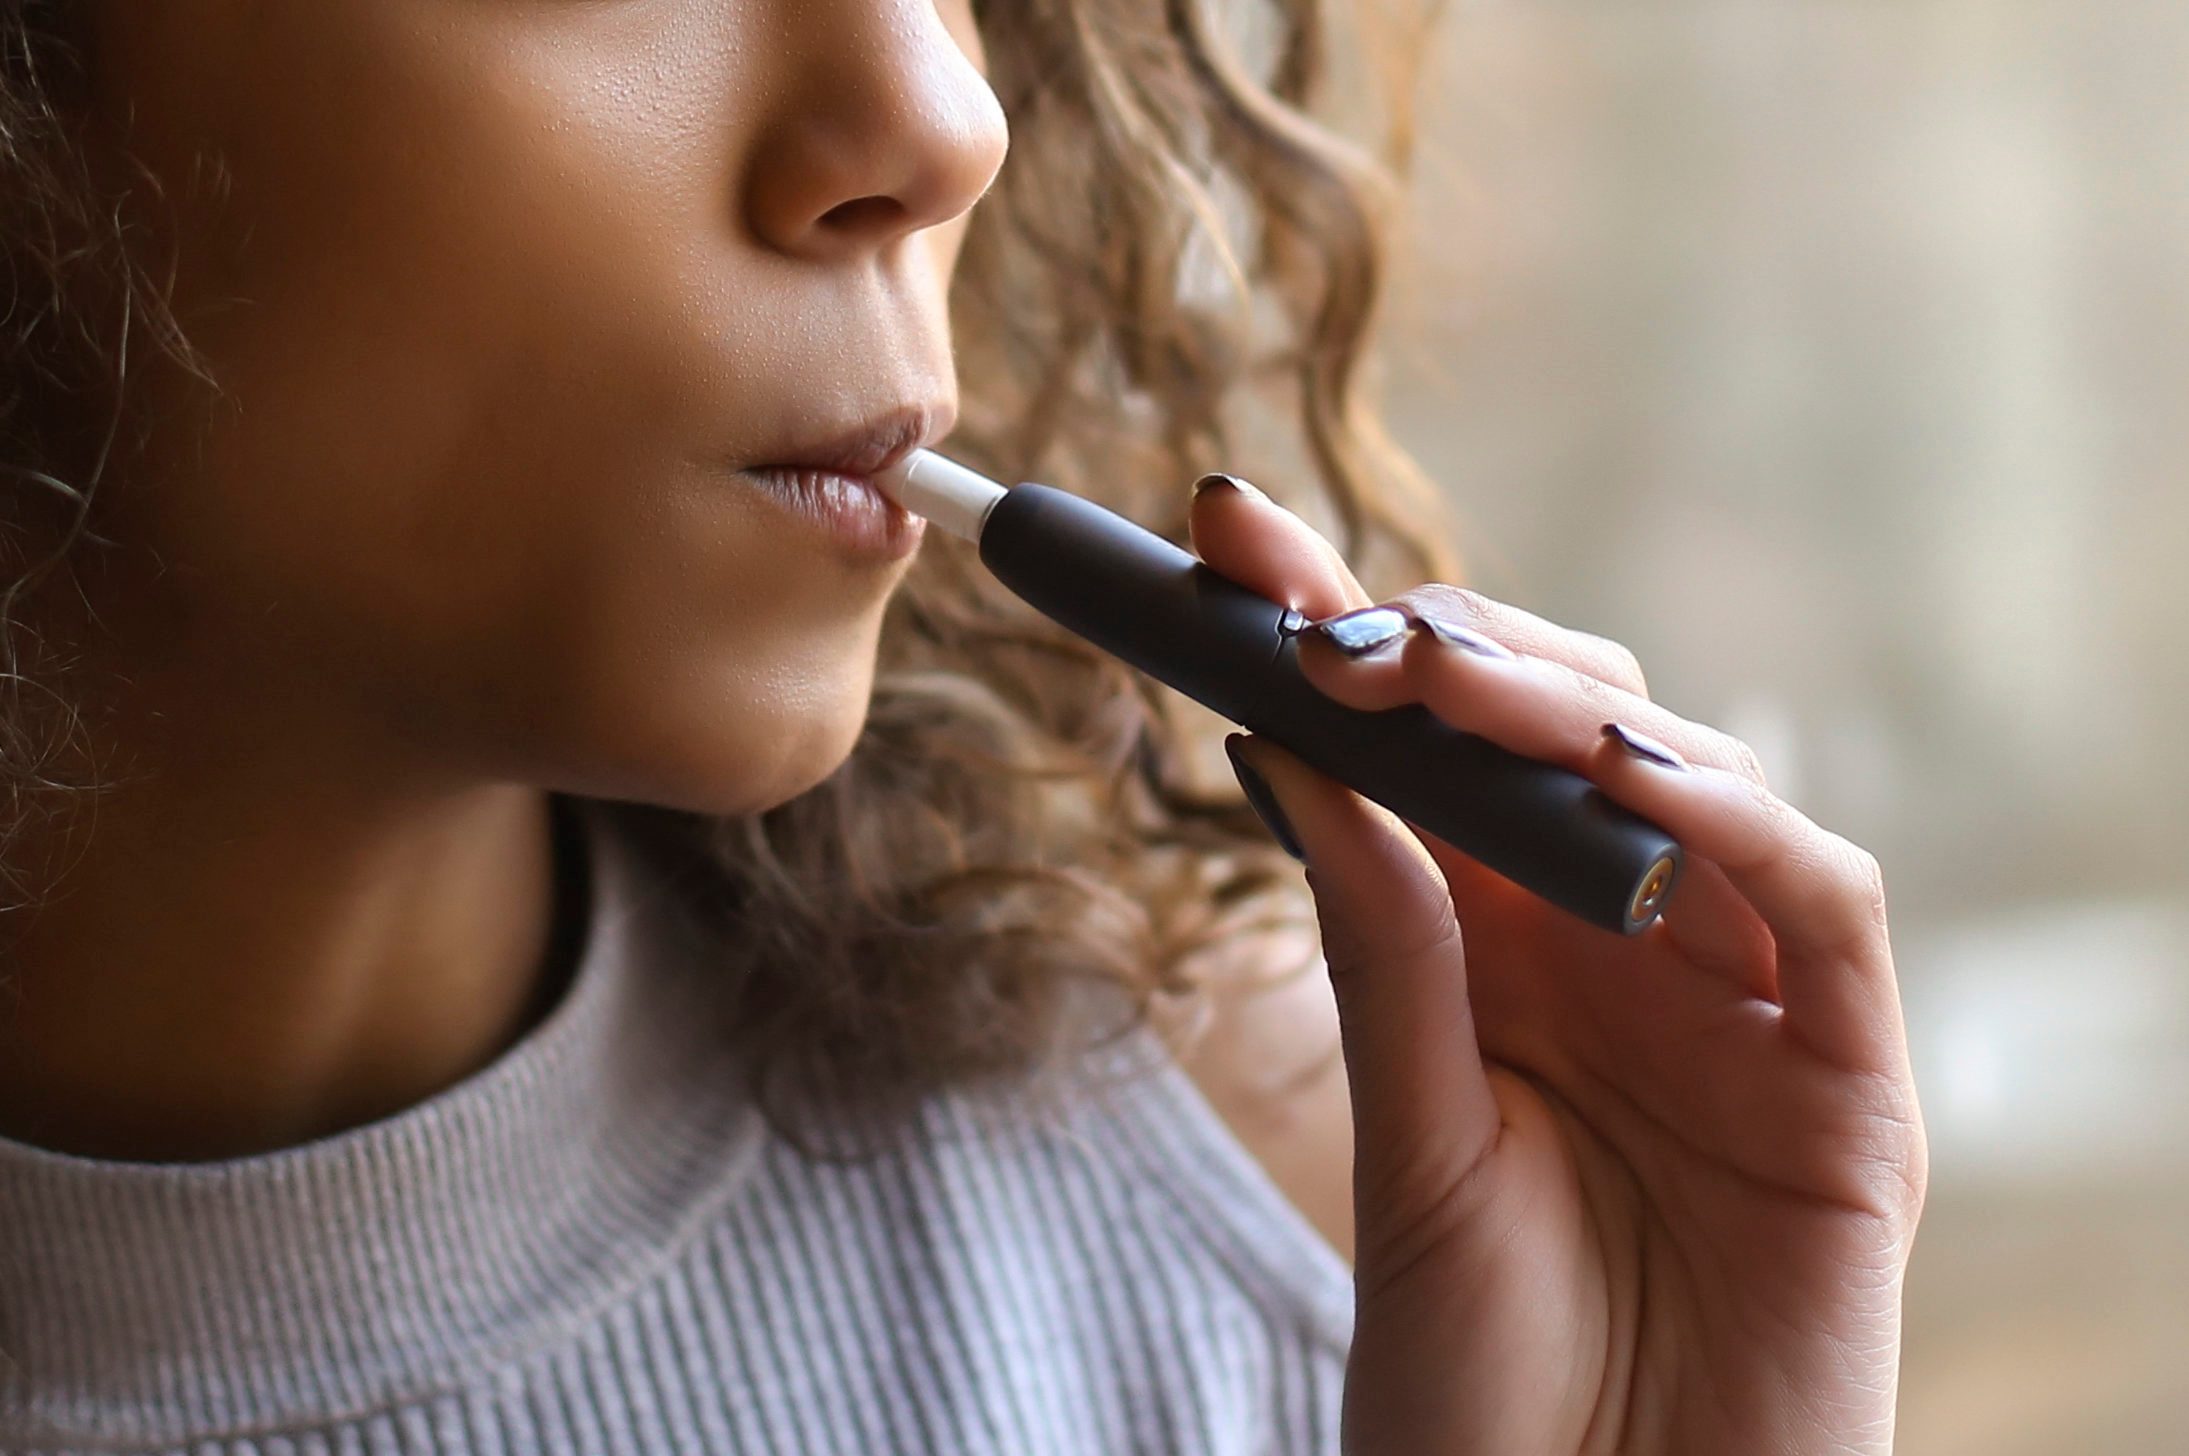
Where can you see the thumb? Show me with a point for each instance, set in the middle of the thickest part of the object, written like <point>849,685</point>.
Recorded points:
<point>1423,1112</point>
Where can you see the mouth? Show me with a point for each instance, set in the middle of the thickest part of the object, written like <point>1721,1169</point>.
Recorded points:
<point>828,480</point>
<point>848,510</point>
<point>864,450</point>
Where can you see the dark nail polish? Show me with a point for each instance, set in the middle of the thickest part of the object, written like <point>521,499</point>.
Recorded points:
<point>1264,800</point>
<point>1356,634</point>
<point>1644,746</point>
<point>1465,637</point>
<point>1218,477</point>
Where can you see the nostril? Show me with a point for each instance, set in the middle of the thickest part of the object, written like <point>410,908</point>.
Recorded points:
<point>863,212</point>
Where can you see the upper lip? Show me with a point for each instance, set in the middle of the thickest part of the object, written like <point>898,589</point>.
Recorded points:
<point>874,446</point>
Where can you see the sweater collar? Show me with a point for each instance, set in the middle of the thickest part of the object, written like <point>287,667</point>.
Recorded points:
<point>152,1302</point>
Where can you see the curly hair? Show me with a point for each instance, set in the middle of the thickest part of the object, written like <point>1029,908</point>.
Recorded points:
<point>1177,270</point>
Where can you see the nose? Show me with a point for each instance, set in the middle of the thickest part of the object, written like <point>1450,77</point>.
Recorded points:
<point>892,129</point>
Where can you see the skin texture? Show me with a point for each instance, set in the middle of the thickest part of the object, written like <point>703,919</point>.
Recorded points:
<point>499,294</point>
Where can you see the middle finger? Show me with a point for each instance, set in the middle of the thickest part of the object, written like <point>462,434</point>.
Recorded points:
<point>1552,713</point>
<point>1523,631</point>
<point>1549,707</point>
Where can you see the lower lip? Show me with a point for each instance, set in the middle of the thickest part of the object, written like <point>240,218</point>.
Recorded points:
<point>851,509</point>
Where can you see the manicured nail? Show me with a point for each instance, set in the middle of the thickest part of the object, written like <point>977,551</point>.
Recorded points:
<point>1460,636</point>
<point>1263,798</point>
<point>1218,477</point>
<point>1358,633</point>
<point>1642,745</point>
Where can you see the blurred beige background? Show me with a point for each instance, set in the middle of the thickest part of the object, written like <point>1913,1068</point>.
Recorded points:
<point>1834,355</point>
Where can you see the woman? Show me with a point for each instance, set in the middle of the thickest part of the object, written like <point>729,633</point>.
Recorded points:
<point>492,815</point>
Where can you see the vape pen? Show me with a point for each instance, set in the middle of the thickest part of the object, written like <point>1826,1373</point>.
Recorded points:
<point>1143,599</point>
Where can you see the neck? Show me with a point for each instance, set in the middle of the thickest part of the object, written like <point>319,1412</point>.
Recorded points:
<point>222,974</point>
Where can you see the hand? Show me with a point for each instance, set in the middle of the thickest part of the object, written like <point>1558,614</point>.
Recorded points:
<point>1612,1194</point>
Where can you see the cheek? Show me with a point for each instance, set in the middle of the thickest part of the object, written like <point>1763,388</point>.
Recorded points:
<point>485,345</point>
<point>442,295</point>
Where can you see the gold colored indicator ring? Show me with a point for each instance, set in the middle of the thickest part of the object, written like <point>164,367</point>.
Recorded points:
<point>1650,897</point>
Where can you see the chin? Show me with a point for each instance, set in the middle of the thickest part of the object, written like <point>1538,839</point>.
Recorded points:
<point>808,759</point>
<point>700,764</point>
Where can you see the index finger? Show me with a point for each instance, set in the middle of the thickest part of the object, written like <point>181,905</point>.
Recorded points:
<point>1243,535</point>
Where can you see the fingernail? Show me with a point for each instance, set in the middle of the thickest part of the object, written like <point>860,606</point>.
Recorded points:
<point>1644,746</point>
<point>1263,798</point>
<point>1460,636</point>
<point>1358,633</point>
<point>1218,477</point>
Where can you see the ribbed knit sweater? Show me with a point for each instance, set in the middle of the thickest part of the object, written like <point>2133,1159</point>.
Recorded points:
<point>595,1245</point>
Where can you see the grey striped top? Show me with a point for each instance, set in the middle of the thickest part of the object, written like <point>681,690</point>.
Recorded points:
<point>593,1245</point>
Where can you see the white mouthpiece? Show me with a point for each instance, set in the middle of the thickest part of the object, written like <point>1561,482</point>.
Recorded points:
<point>951,495</point>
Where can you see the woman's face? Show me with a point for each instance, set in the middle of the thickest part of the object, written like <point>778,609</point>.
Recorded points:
<point>501,294</point>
